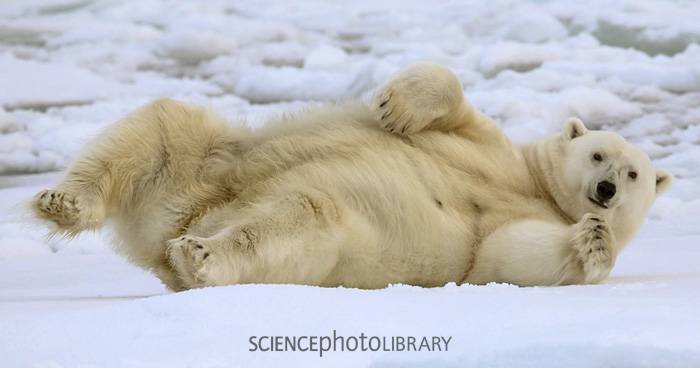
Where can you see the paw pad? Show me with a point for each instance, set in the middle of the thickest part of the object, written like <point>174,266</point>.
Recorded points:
<point>187,255</point>
<point>56,206</point>
<point>594,242</point>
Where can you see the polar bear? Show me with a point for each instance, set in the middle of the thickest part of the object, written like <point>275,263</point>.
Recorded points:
<point>416,187</point>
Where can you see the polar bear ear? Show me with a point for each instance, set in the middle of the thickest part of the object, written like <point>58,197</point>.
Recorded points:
<point>573,127</point>
<point>663,181</point>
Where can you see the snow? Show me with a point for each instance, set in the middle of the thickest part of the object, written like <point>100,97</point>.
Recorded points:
<point>70,67</point>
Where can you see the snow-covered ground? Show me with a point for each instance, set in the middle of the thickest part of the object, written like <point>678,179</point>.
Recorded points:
<point>70,67</point>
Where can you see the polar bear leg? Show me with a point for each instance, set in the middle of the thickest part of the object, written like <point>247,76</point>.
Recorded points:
<point>428,96</point>
<point>141,154</point>
<point>536,252</point>
<point>77,203</point>
<point>285,238</point>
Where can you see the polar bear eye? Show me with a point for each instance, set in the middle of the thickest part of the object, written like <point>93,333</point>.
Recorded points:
<point>632,175</point>
<point>597,157</point>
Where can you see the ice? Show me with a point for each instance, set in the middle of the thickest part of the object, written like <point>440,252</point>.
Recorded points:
<point>263,84</point>
<point>192,47</point>
<point>532,26</point>
<point>68,68</point>
<point>515,56</point>
<point>37,85</point>
<point>594,105</point>
<point>272,52</point>
<point>325,57</point>
<point>8,123</point>
<point>673,78</point>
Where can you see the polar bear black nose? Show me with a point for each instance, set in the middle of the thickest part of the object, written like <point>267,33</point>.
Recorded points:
<point>605,190</point>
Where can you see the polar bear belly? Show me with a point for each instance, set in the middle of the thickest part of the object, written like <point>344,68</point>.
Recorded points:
<point>398,221</point>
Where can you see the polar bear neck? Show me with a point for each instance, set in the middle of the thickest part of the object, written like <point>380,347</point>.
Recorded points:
<point>542,170</point>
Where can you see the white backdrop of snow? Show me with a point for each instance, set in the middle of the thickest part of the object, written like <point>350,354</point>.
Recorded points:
<point>69,67</point>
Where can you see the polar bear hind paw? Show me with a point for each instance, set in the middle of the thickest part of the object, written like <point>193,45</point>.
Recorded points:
<point>61,208</point>
<point>191,258</point>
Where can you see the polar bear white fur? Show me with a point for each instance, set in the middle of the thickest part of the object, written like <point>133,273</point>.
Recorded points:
<point>416,188</point>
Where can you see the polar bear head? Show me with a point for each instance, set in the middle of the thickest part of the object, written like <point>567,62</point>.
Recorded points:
<point>600,172</point>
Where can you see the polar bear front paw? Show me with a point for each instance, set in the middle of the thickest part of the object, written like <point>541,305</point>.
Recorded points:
<point>594,244</point>
<point>417,96</point>
<point>401,111</point>
<point>395,116</point>
<point>190,256</point>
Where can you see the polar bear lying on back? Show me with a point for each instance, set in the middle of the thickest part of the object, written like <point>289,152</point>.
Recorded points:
<point>418,188</point>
